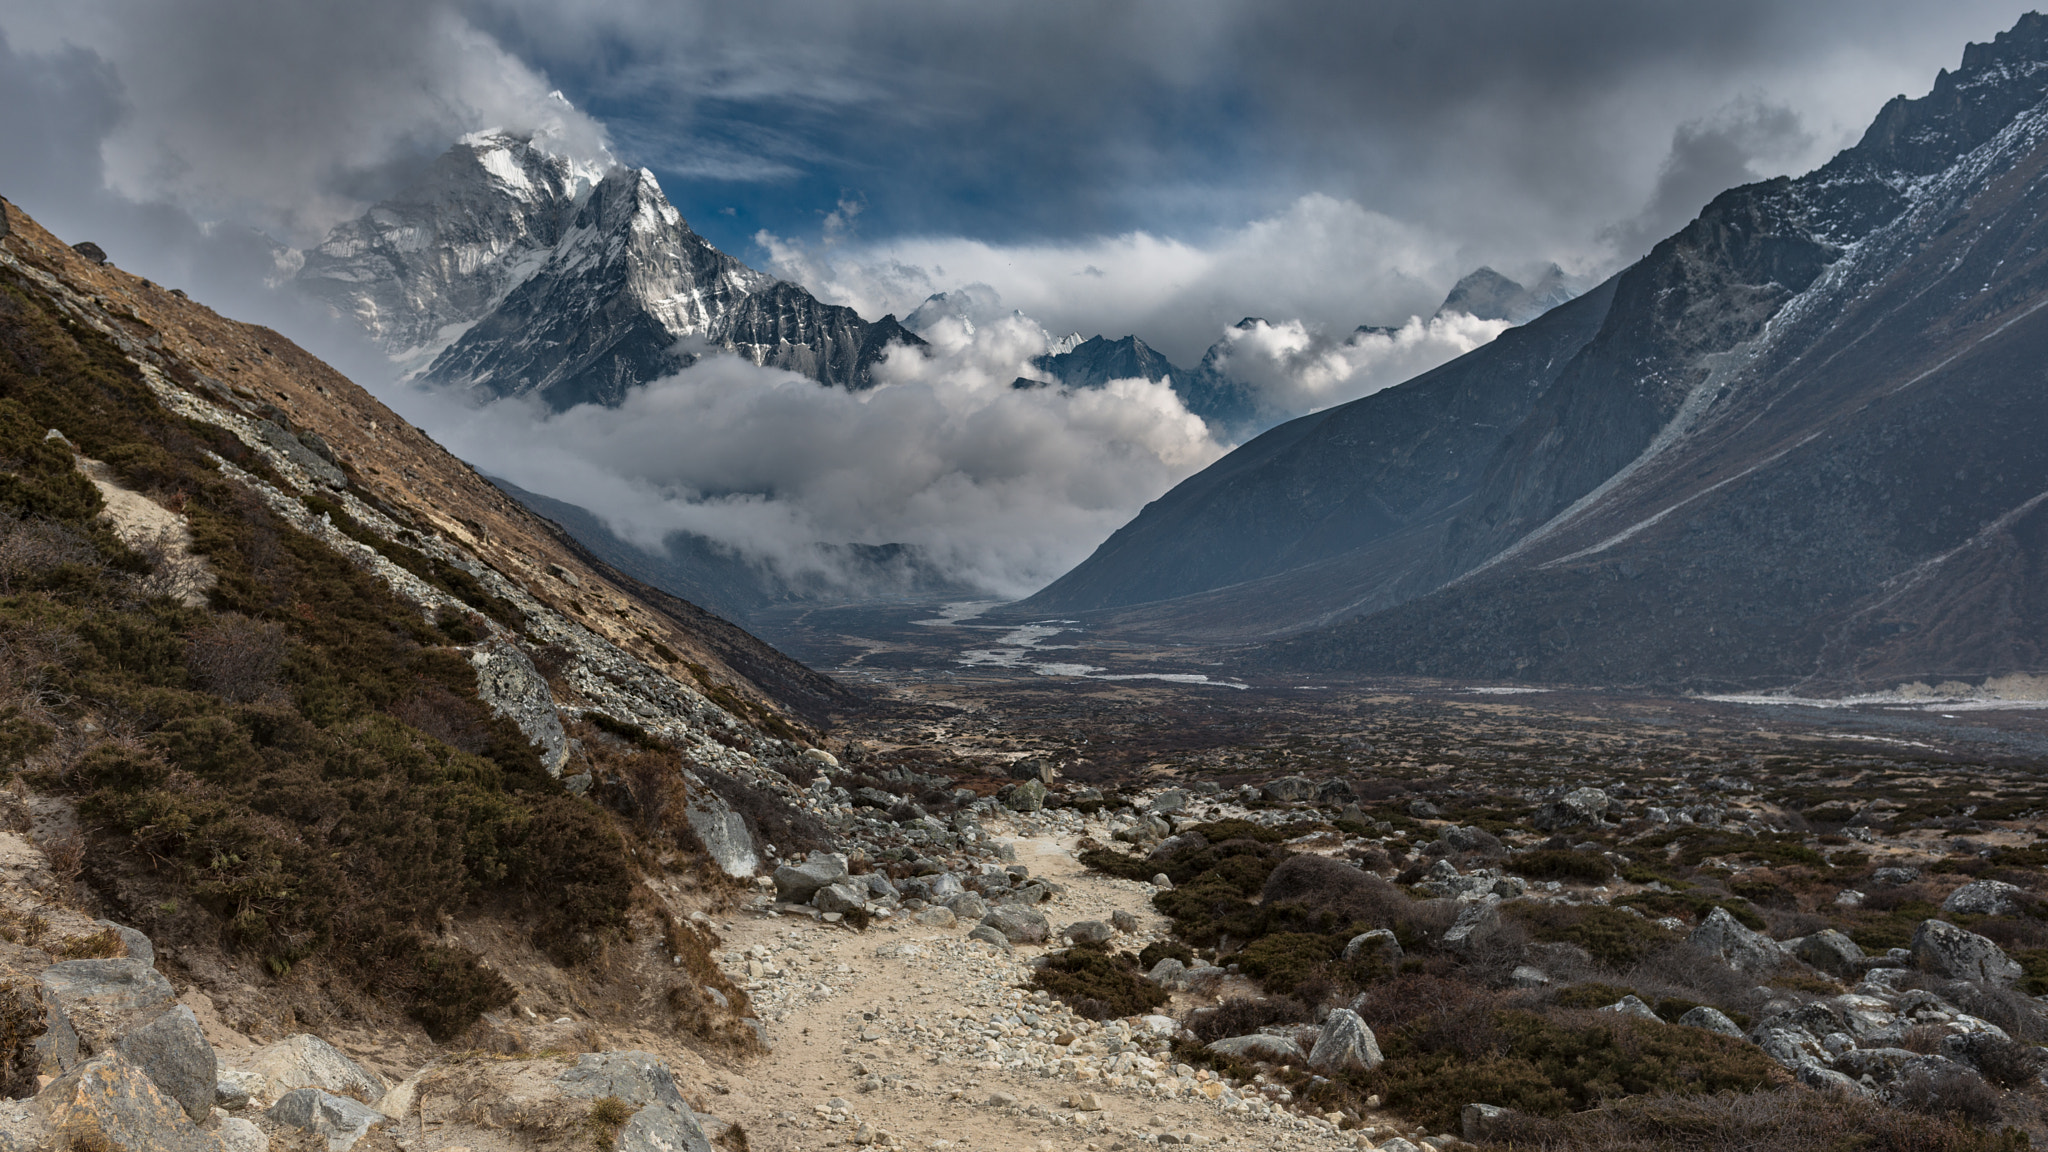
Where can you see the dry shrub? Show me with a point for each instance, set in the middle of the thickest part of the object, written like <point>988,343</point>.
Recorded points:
<point>1785,1120</point>
<point>1562,864</point>
<point>733,1139</point>
<point>98,946</point>
<point>235,657</point>
<point>458,722</point>
<point>21,1021</point>
<point>1098,983</point>
<point>1952,1093</point>
<point>1240,1016</point>
<point>1923,1038</point>
<point>1337,888</point>
<point>66,855</point>
<point>34,548</point>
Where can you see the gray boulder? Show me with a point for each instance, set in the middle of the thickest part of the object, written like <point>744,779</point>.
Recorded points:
<point>307,1061</point>
<point>1946,950</point>
<point>1162,881</point>
<point>1424,810</point>
<point>1026,797</point>
<point>1468,839</point>
<point>1830,951</point>
<point>1894,877</point>
<point>1477,1122</point>
<point>942,886</point>
<point>295,450</point>
<point>878,886</point>
<point>1166,972</point>
<point>109,1097</point>
<point>1632,1005</point>
<point>1170,802</point>
<point>1123,921</point>
<point>1345,1043</point>
<point>1379,944</point>
<point>1579,806</point>
<point>507,681</point>
<point>936,918</point>
<point>638,1078</point>
<point>1825,1079</point>
<point>966,906</point>
<point>1018,924</point>
<point>1740,948</point>
<point>137,944</point>
<point>172,1051</point>
<point>1275,1049</point>
<point>1476,921</point>
<point>669,1126</point>
<point>989,935</point>
<point>337,1119</point>
<point>1088,932</point>
<point>1200,978</point>
<point>1711,1019</point>
<point>842,897</point>
<point>111,987</point>
<point>723,831</point>
<point>797,883</point>
<point>1985,898</point>
<point>1289,788</point>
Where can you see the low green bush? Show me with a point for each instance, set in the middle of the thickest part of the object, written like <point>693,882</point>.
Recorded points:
<point>1097,983</point>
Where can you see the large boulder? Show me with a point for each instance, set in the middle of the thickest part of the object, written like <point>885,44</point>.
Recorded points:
<point>841,897</point>
<point>172,1051</point>
<point>1985,898</point>
<point>1169,803</point>
<point>336,1119</point>
<point>107,987</point>
<point>723,831</point>
<point>307,1061</point>
<point>1274,1049</point>
<point>668,1126</point>
<point>966,906</point>
<point>1740,948</point>
<point>110,1105</point>
<point>1166,971</point>
<point>1711,1019</point>
<point>1379,944</point>
<point>1026,797</point>
<point>1289,788</point>
<point>1018,924</point>
<point>1830,951</point>
<point>798,882</point>
<point>1476,921</point>
<point>1579,806</point>
<point>638,1078</point>
<point>1946,950</point>
<point>1345,1043</point>
<point>936,917</point>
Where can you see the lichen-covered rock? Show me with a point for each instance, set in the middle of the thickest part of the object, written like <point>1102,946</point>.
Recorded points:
<point>1830,951</point>
<point>1742,949</point>
<point>1346,1043</point>
<point>1579,806</point>
<point>1289,788</point>
<point>307,1061</point>
<point>337,1119</point>
<point>112,987</point>
<point>173,1051</point>
<point>1378,944</point>
<point>1984,898</point>
<point>1946,950</point>
<point>109,1104</point>
<point>1632,1005</point>
<point>295,450</point>
<point>638,1078</point>
<point>1711,1019</point>
<point>508,682</point>
<point>1476,921</point>
<point>1275,1049</point>
<point>669,1126</point>
<point>1477,1122</point>
<point>723,831</point>
<point>1166,972</point>
<point>1028,796</point>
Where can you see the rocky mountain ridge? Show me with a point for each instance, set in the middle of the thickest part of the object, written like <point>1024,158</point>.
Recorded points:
<point>1792,443</point>
<point>511,271</point>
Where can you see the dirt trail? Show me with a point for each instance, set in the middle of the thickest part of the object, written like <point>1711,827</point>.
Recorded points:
<point>891,1026</point>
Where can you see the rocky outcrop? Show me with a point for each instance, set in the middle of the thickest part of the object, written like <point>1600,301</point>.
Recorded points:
<point>507,681</point>
<point>1946,950</point>
<point>1741,949</point>
<point>1345,1044</point>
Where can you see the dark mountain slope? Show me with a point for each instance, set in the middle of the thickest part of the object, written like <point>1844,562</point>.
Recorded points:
<point>1753,470</point>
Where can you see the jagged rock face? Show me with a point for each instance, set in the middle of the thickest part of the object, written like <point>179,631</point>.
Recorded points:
<point>1802,438</point>
<point>446,251</point>
<point>513,271</point>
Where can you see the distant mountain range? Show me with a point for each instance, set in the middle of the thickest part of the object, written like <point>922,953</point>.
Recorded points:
<point>1803,441</point>
<point>511,271</point>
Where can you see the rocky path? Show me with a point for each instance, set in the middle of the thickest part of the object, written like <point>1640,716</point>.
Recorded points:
<point>917,1037</point>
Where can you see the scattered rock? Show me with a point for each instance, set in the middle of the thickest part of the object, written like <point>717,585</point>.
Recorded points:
<point>1632,1005</point>
<point>234,1089</point>
<point>797,883</point>
<point>1169,803</point>
<point>110,1105</point>
<point>989,935</point>
<point>1424,810</point>
<point>1742,949</point>
<point>1894,877</point>
<point>1477,1122</point>
<point>1018,925</point>
<point>1831,952</point>
<point>1166,972</point>
<point>1088,932</point>
<point>1277,1049</point>
<point>174,1053</point>
<point>1985,898</point>
<point>967,906</point>
<point>1380,943</point>
<point>820,756</point>
<point>1711,1019</point>
<point>1162,882</point>
<point>1528,976</point>
<point>937,918</point>
<point>1346,1043</point>
<point>1476,921</point>
<point>112,987</point>
<point>842,897</point>
<point>1028,796</point>
<point>1123,921</point>
<point>1289,788</point>
<point>1579,806</point>
<point>1946,950</point>
<point>307,1061</point>
<point>668,1126</point>
<point>338,1119</point>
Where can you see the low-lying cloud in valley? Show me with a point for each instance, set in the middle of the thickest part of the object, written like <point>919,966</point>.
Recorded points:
<point>1000,487</point>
